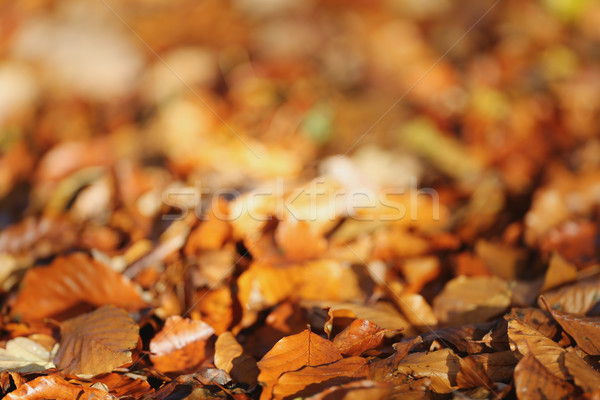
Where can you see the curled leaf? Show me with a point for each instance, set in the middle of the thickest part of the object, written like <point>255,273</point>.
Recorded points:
<point>230,357</point>
<point>25,355</point>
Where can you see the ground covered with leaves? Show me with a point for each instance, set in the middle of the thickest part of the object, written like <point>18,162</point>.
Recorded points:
<point>366,199</point>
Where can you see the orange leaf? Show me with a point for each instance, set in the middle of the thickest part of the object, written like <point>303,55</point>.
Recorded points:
<point>361,335</point>
<point>310,380</point>
<point>585,330</point>
<point>53,387</point>
<point>472,299</point>
<point>96,342</point>
<point>524,339</point>
<point>230,357</point>
<point>70,281</point>
<point>123,385</point>
<point>181,345</point>
<point>299,240</point>
<point>292,353</point>
<point>534,381</point>
<point>577,298</point>
<point>364,389</point>
<point>583,374</point>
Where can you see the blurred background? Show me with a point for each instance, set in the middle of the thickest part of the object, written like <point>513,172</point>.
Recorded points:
<point>487,97</point>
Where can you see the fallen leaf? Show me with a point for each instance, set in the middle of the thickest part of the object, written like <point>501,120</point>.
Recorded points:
<point>585,330</point>
<point>504,261</point>
<point>524,340</point>
<point>534,381</point>
<point>292,353</point>
<point>575,241</point>
<point>361,335</point>
<point>583,374</point>
<point>25,355</point>
<point>498,366</point>
<point>264,285</point>
<point>416,309</point>
<point>385,370</point>
<point>384,315</point>
<point>420,271</point>
<point>96,342</point>
<point>464,338</point>
<point>473,374</point>
<point>537,319</point>
<point>299,240</point>
<point>215,306</point>
<point>230,357</point>
<point>441,366</point>
<point>286,319</point>
<point>182,345</point>
<point>559,272</point>
<point>364,389</point>
<point>471,299</point>
<point>309,380</point>
<point>577,298</point>
<point>54,387</point>
<point>70,281</point>
<point>125,386</point>
<point>212,233</point>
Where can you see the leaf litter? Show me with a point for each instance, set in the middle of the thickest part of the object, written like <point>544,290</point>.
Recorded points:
<point>244,216</point>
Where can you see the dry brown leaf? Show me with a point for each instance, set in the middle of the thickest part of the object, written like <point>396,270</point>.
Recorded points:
<point>182,345</point>
<point>473,374</point>
<point>583,374</point>
<point>539,320</point>
<point>498,366</point>
<point>417,310</point>
<point>96,342</point>
<point>471,299</point>
<point>364,389</point>
<point>69,281</point>
<point>559,272</point>
<point>385,370</point>
<point>577,298</point>
<point>384,315</point>
<point>125,386</point>
<point>585,330</point>
<point>524,340</point>
<point>310,380</point>
<point>285,319</point>
<point>534,381</point>
<point>230,357</point>
<point>361,335</point>
<point>54,387</point>
<point>292,353</point>
<point>441,366</point>
<point>264,285</point>
<point>464,338</point>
